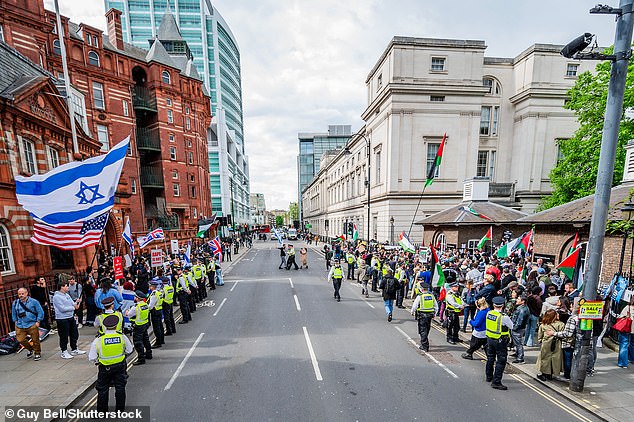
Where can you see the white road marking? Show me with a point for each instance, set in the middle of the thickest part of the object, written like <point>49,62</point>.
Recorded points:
<point>299,308</point>
<point>234,285</point>
<point>291,281</point>
<point>433,359</point>
<point>182,365</point>
<point>369,304</point>
<point>313,358</point>
<point>220,307</point>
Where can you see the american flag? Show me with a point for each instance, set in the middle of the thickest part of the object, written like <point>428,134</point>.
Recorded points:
<point>70,236</point>
<point>216,247</point>
<point>153,235</point>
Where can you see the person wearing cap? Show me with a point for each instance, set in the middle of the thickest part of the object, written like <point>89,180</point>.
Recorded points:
<point>108,304</point>
<point>140,317</point>
<point>211,272</point>
<point>520,321</point>
<point>109,351</point>
<point>199,273</point>
<point>336,275</point>
<point>168,310</point>
<point>424,308</point>
<point>192,297</point>
<point>351,260</point>
<point>389,285</point>
<point>155,305</point>
<point>453,306</point>
<point>498,328</point>
<point>182,291</point>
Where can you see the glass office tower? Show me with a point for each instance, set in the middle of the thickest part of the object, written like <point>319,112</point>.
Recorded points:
<point>217,58</point>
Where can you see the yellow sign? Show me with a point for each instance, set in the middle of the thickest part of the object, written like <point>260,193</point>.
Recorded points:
<point>591,310</point>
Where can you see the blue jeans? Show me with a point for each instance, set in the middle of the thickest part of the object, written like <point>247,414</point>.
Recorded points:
<point>531,326</point>
<point>389,306</point>
<point>567,354</point>
<point>626,349</point>
<point>219,281</point>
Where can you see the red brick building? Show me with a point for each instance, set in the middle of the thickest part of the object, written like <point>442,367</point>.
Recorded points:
<point>154,95</point>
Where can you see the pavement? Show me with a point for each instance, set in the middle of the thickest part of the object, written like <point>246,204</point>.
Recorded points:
<point>56,382</point>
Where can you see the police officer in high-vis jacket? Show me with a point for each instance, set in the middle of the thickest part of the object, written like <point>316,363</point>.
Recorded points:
<point>108,351</point>
<point>336,275</point>
<point>498,329</point>
<point>155,304</point>
<point>108,304</point>
<point>424,307</point>
<point>168,309</point>
<point>140,317</point>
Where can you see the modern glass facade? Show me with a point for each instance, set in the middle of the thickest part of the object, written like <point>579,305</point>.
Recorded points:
<point>217,59</point>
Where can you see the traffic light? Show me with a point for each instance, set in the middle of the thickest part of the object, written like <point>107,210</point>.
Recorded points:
<point>229,223</point>
<point>350,229</point>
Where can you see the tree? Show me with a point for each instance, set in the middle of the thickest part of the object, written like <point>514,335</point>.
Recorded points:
<point>293,211</point>
<point>279,221</point>
<point>575,174</point>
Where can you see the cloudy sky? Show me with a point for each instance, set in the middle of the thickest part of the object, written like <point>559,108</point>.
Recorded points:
<point>304,62</point>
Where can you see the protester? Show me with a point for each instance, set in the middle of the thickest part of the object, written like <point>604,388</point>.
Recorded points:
<point>65,308</point>
<point>626,340</point>
<point>40,293</point>
<point>27,313</point>
<point>478,333</point>
<point>549,359</point>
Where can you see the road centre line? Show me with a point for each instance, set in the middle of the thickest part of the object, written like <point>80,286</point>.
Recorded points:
<point>234,285</point>
<point>182,365</point>
<point>313,358</point>
<point>369,304</point>
<point>433,359</point>
<point>299,308</point>
<point>220,307</point>
<point>291,281</point>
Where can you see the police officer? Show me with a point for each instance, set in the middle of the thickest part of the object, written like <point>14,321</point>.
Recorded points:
<point>498,327</point>
<point>336,275</point>
<point>453,304</point>
<point>140,317</point>
<point>168,311</point>
<point>424,307</point>
<point>108,304</point>
<point>192,297</point>
<point>198,273</point>
<point>155,305</point>
<point>108,351</point>
<point>182,291</point>
<point>350,258</point>
<point>211,272</point>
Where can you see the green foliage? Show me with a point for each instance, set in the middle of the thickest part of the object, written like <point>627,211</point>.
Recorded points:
<point>293,211</point>
<point>575,174</point>
<point>279,221</point>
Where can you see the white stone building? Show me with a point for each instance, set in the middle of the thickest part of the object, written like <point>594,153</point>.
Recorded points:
<point>502,117</point>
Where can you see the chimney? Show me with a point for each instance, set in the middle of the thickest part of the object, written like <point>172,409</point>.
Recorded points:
<point>628,170</point>
<point>476,189</point>
<point>115,33</point>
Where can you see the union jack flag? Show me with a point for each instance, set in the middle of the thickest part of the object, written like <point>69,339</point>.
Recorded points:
<point>151,236</point>
<point>216,247</point>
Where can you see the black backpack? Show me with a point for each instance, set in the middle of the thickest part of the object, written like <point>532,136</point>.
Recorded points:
<point>8,345</point>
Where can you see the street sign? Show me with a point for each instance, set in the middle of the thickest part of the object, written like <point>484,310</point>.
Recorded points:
<point>591,310</point>
<point>157,257</point>
<point>174,246</point>
<point>117,263</point>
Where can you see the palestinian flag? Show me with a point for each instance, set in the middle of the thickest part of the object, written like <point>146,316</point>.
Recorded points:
<point>507,249</point>
<point>568,265</point>
<point>526,241</point>
<point>438,278</point>
<point>487,238</point>
<point>340,238</point>
<point>203,229</point>
<point>355,232</point>
<point>405,243</point>
<point>524,275</point>
<point>574,244</point>
<point>474,212</point>
<point>432,171</point>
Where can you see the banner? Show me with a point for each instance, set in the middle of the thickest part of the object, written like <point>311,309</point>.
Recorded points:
<point>174,246</point>
<point>117,263</point>
<point>157,257</point>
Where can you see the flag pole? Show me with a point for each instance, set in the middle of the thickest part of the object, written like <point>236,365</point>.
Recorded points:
<point>416,212</point>
<point>92,261</point>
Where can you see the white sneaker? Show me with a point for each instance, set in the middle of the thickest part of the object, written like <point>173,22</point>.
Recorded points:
<point>77,352</point>
<point>80,325</point>
<point>66,355</point>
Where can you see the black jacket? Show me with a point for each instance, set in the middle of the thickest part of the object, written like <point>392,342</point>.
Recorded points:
<point>390,286</point>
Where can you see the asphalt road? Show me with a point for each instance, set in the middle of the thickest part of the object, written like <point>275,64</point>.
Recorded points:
<point>274,345</point>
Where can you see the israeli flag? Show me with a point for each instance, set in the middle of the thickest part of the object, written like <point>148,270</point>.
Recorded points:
<point>127,236</point>
<point>73,192</point>
<point>188,253</point>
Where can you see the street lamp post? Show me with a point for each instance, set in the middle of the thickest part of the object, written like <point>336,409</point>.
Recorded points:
<point>391,230</point>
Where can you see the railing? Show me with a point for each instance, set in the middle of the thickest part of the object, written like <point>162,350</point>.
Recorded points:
<point>143,98</point>
<point>148,139</point>
<point>168,222</point>
<point>151,177</point>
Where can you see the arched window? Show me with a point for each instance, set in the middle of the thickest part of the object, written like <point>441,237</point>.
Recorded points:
<point>166,77</point>
<point>493,85</point>
<point>93,58</point>
<point>57,50</point>
<point>6,253</point>
<point>441,242</point>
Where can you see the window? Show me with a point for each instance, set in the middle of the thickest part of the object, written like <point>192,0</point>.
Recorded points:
<point>102,135</point>
<point>192,178</point>
<point>195,212</point>
<point>492,85</point>
<point>192,191</point>
<point>489,117</point>
<point>377,176</point>
<point>168,102</point>
<point>6,253</point>
<point>441,240</point>
<point>437,64</point>
<point>1,33</point>
<point>571,69</point>
<point>30,162</point>
<point>97,95</point>
<point>53,158</point>
<point>190,159</point>
<point>57,50</point>
<point>95,43</point>
<point>177,189</point>
<point>437,98</point>
<point>486,164</point>
<point>379,82</point>
<point>88,39</point>
<point>170,116</point>
<point>189,143</point>
<point>126,110</point>
<point>187,110</point>
<point>432,150</point>
<point>171,137</point>
<point>133,186</point>
<point>172,153</point>
<point>188,123</point>
<point>167,79</point>
<point>93,58</point>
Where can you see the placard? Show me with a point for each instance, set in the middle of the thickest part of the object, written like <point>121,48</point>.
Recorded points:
<point>117,263</point>
<point>174,246</point>
<point>591,310</point>
<point>157,257</point>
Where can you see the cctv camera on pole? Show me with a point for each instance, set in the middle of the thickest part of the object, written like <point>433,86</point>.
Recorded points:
<point>576,46</point>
